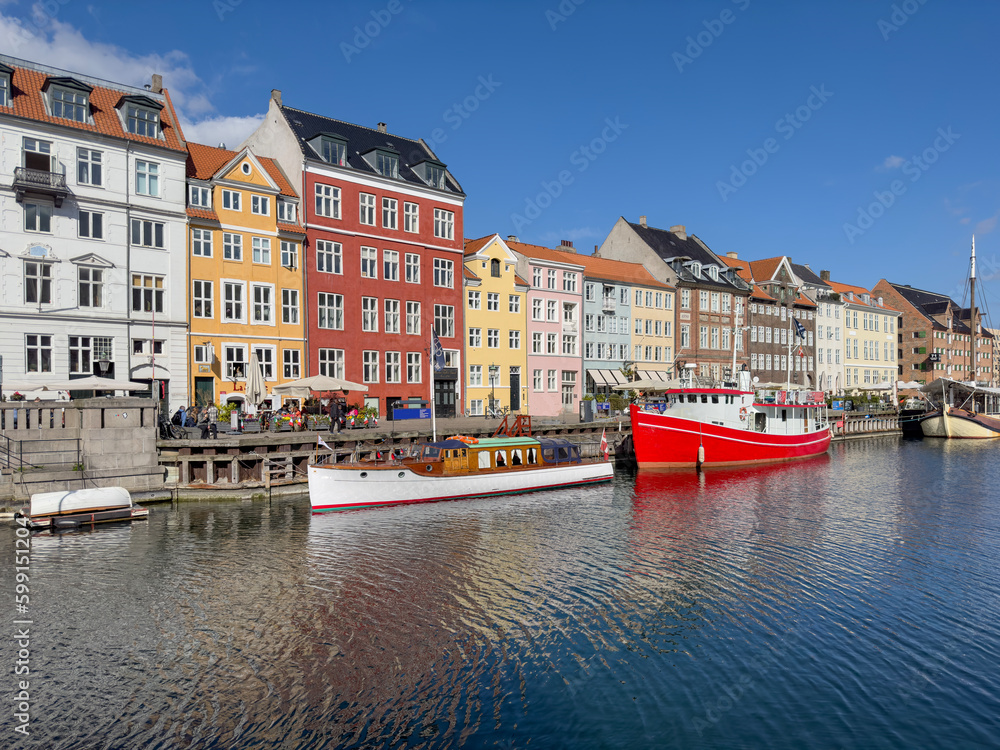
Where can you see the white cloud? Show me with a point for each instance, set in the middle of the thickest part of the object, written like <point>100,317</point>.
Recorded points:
<point>892,162</point>
<point>48,41</point>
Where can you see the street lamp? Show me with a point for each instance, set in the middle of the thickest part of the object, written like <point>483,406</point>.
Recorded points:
<point>494,372</point>
<point>103,363</point>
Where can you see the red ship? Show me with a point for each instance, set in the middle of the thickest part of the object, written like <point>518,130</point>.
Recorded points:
<point>731,425</point>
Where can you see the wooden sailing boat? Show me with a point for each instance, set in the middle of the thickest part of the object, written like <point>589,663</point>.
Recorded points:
<point>964,409</point>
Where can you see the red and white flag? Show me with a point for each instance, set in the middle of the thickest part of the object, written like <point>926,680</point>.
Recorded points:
<point>604,444</point>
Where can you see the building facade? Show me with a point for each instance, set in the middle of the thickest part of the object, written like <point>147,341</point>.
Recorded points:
<point>870,343</point>
<point>383,253</point>
<point>246,281</point>
<point>92,265</point>
<point>495,324</point>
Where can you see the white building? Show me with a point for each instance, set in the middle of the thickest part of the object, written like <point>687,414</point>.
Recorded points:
<point>92,231</point>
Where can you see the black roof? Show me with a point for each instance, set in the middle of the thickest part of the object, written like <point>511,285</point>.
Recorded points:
<point>669,246</point>
<point>806,274</point>
<point>362,140</point>
<point>918,297</point>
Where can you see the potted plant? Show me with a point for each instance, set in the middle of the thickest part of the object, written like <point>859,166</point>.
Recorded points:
<point>17,396</point>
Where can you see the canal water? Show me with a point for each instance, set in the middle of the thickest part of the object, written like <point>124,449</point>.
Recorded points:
<point>848,601</point>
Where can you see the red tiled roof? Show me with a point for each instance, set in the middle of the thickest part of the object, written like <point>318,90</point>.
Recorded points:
<point>294,228</point>
<point>759,293</point>
<point>858,291</point>
<point>202,213</point>
<point>204,162</point>
<point>27,102</point>
<point>469,273</point>
<point>474,246</point>
<point>763,270</point>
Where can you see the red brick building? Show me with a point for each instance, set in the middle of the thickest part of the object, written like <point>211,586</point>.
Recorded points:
<point>383,254</point>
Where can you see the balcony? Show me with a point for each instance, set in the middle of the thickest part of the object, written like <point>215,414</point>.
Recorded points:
<point>569,326</point>
<point>40,183</point>
<point>608,305</point>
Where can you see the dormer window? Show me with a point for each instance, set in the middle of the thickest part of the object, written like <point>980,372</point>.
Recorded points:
<point>696,269</point>
<point>141,115</point>
<point>713,272</point>
<point>331,148</point>
<point>68,98</point>
<point>199,196</point>
<point>5,74</point>
<point>431,172</point>
<point>866,298</point>
<point>286,211</point>
<point>386,164</point>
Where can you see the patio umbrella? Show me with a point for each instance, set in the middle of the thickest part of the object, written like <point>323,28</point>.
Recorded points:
<point>647,384</point>
<point>91,383</point>
<point>317,383</point>
<point>256,388</point>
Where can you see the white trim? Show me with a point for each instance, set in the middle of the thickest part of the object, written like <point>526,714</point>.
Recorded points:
<point>376,182</point>
<point>383,238</point>
<point>274,316</point>
<point>252,336</point>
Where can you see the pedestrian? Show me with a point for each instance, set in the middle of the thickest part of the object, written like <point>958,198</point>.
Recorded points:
<point>178,418</point>
<point>335,414</point>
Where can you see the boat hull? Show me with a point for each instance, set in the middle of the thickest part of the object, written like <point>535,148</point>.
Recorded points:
<point>663,441</point>
<point>960,424</point>
<point>333,487</point>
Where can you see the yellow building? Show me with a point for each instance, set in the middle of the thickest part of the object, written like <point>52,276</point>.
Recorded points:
<point>496,353</point>
<point>245,273</point>
<point>870,343</point>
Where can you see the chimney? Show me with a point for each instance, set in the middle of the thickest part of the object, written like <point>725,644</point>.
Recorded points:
<point>597,252</point>
<point>733,254</point>
<point>157,83</point>
<point>566,246</point>
<point>512,238</point>
<point>383,128</point>
<point>680,231</point>
<point>824,275</point>
<point>642,221</point>
<point>276,96</point>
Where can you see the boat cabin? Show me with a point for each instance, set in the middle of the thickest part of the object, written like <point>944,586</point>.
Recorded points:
<point>490,454</point>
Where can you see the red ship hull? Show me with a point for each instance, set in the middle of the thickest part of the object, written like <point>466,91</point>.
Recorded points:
<point>663,441</point>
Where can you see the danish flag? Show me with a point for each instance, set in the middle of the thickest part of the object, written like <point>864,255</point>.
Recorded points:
<point>604,444</point>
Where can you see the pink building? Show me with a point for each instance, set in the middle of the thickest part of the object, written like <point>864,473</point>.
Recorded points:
<point>555,346</point>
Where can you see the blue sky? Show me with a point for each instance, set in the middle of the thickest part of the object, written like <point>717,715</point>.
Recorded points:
<point>765,128</point>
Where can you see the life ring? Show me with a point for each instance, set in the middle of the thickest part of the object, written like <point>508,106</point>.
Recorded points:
<point>743,414</point>
<point>465,439</point>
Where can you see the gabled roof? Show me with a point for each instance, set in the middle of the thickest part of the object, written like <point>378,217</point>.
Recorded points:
<point>842,289</point>
<point>362,140</point>
<point>543,253</point>
<point>746,271</point>
<point>807,276</point>
<point>619,270</point>
<point>28,81</point>
<point>670,246</point>
<point>205,162</point>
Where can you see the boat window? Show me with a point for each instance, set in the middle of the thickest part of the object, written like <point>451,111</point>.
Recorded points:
<point>532,458</point>
<point>692,399</point>
<point>464,453</point>
<point>563,454</point>
<point>784,415</point>
<point>515,457</point>
<point>715,398</point>
<point>484,459</point>
<point>501,458</point>
<point>549,454</point>
<point>432,452</point>
<point>704,398</point>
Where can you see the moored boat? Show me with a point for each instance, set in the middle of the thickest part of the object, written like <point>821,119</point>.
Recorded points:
<point>731,424</point>
<point>965,411</point>
<point>72,508</point>
<point>452,469</point>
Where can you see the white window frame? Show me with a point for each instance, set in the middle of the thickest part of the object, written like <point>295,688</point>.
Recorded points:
<point>444,224</point>
<point>202,298</point>
<point>330,308</point>
<point>444,273</point>
<point>239,299</point>
<point>366,209</point>
<point>411,217</point>
<point>331,362</point>
<point>369,262</point>
<point>290,306</point>
<point>260,205</point>
<point>390,213</point>
<point>232,246</point>
<point>390,265</point>
<point>369,314</point>
<point>289,254</point>
<point>201,242</point>
<point>412,318</point>
<point>329,257</point>
<point>261,250</point>
<point>327,201</point>
<point>89,163</point>
<point>231,200</point>
<point>291,364</point>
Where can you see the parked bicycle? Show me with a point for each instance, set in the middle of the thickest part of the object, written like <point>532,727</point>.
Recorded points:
<point>497,411</point>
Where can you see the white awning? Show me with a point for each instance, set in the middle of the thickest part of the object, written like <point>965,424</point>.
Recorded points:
<point>653,375</point>
<point>607,377</point>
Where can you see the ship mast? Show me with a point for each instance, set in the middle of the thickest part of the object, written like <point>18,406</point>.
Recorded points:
<point>972,311</point>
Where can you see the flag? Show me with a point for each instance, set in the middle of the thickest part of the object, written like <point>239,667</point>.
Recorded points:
<point>802,352</point>
<point>604,444</point>
<point>437,352</point>
<point>799,329</point>
<point>321,443</point>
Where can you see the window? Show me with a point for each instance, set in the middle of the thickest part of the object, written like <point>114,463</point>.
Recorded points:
<point>444,273</point>
<point>333,151</point>
<point>412,268</point>
<point>38,283</point>
<point>536,277</point>
<point>262,303</point>
<point>569,344</point>
<point>413,374</point>
<point>551,342</point>
<point>392,367</point>
<point>536,309</point>
<point>328,201</point>
<point>141,121</point>
<point>81,355</point>
<point>236,361</point>
<point>91,287</point>
<point>260,205</point>
<point>492,302</point>
<point>494,268</point>
<point>147,293</point>
<point>435,176</point>
<point>265,358</point>
<point>289,305</point>
<point>536,343</point>
<point>147,233</point>
<point>390,265</point>
<point>369,263</point>
<point>202,299</point>
<point>331,362</point>
<point>514,303</point>
<point>411,217</point>
<point>201,242</point>
<point>231,200</point>
<point>330,311</point>
<point>37,217</point>
<point>552,380</point>
<point>685,299</point>
<point>536,380</point>
<point>261,250</point>
<point>286,211</point>
<point>475,375</point>
<point>366,203</point>
<point>4,90</point>
<point>232,292</point>
<point>551,280</point>
<point>70,105</point>
<point>389,213</point>
<point>569,282</point>
<point>552,311</point>
<point>392,316</point>
<point>88,168</point>
<point>369,366</point>
<point>91,225</point>
<point>290,369</point>
<point>37,353</point>
<point>232,246</point>
<point>387,165</point>
<point>685,337</point>
<point>147,178</point>
<point>328,256</point>
<point>369,314</point>
<point>444,320</point>
<point>475,300</point>
<point>514,339</point>
<point>413,318</point>
<point>444,224</point>
<point>289,254</point>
